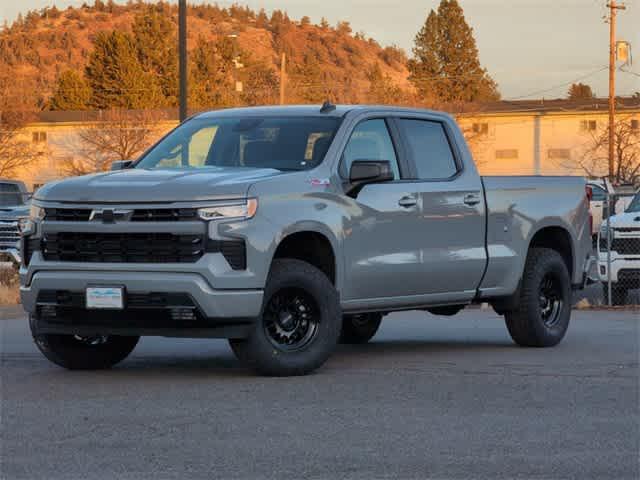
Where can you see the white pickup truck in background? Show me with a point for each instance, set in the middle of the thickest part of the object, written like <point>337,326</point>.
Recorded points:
<point>621,265</point>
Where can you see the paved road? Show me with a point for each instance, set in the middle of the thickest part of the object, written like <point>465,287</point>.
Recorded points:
<point>429,398</point>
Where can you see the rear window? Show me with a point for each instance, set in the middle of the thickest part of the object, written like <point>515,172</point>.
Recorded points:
<point>430,149</point>
<point>283,143</point>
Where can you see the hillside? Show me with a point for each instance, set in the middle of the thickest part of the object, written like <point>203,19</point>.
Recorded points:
<point>323,61</point>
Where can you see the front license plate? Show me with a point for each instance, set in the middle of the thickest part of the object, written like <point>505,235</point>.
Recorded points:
<point>105,298</point>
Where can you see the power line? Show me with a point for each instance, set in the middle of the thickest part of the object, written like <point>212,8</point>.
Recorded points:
<point>560,85</point>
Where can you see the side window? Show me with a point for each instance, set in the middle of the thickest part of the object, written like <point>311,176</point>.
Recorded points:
<point>370,140</point>
<point>429,149</point>
<point>599,194</point>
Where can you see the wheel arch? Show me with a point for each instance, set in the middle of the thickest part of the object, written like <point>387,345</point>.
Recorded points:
<point>558,238</point>
<point>313,245</point>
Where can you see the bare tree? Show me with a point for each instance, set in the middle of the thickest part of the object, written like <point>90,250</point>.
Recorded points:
<point>595,158</point>
<point>16,109</point>
<point>118,135</point>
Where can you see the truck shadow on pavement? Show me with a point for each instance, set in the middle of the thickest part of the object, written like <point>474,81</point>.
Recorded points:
<point>380,353</point>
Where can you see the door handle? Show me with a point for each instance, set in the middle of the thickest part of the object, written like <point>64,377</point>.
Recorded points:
<point>472,199</point>
<point>408,202</point>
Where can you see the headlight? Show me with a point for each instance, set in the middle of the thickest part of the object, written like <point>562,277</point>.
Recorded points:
<point>36,212</point>
<point>241,210</point>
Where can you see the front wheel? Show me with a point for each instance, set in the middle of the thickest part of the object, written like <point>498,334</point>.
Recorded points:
<point>542,316</point>
<point>74,352</point>
<point>299,325</point>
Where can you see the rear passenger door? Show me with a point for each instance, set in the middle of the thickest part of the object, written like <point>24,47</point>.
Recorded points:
<point>453,209</point>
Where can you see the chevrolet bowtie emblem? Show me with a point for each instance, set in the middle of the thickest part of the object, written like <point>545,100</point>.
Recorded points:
<point>108,215</point>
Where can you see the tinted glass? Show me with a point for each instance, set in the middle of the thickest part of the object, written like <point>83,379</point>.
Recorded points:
<point>599,194</point>
<point>634,206</point>
<point>430,149</point>
<point>291,143</point>
<point>370,140</point>
<point>10,195</point>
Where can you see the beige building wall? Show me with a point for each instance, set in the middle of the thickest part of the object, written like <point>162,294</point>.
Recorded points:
<point>56,144</point>
<point>536,143</point>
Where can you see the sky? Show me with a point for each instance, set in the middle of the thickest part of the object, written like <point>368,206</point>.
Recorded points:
<point>532,48</point>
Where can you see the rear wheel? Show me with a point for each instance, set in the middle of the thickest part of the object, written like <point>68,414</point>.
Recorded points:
<point>74,352</point>
<point>359,329</point>
<point>299,325</point>
<point>542,316</point>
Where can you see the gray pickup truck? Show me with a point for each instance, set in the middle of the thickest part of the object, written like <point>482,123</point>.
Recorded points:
<point>290,229</point>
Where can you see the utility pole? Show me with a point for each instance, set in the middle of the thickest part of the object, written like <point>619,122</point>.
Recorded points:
<point>283,77</point>
<point>182,49</point>
<point>613,7</point>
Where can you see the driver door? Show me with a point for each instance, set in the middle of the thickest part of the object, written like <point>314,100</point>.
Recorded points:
<point>382,251</point>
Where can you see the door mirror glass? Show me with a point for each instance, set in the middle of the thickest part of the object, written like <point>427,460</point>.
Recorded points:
<point>370,171</point>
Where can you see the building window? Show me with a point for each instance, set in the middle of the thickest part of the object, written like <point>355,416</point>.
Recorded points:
<point>480,128</point>
<point>559,154</point>
<point>588,125</point>
<point>39,137</point>
<point>635,124</point>
<point>507,154</point>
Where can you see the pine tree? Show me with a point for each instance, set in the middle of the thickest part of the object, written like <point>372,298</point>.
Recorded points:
<point>262,20</point>
<point>116,77</point>
<point>382,90</point>
<point>580,91</point>
<point>72,92</point>
<point>154,35</point>
<point>446,63</point>
<point>261,84</point>
<point>210,75</point>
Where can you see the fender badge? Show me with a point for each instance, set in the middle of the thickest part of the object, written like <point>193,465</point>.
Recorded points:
<point>319,182</point>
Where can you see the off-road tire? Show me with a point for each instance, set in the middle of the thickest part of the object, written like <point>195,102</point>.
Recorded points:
<point>259,353</point>
<point>359,329</point>
<point>69,352</point>
<point>525,323</point>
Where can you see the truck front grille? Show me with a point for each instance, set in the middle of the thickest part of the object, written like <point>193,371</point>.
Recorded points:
<point>134,248</point>
<point>9,235</point>
<point>122,247</point>
<point>138,215</point>
<point>623,246</point>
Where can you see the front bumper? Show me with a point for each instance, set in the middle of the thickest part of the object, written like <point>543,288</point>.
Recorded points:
<point>623,269</point>
<point>217,312</point>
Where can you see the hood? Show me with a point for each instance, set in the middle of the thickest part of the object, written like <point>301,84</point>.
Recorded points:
<point>11,213</point>
<point>140,185</point>
<point>628,219</point>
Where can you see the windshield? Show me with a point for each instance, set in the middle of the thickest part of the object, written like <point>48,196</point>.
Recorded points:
<point>10,195</point>
<point>634,206</point>
<point>283,143</point>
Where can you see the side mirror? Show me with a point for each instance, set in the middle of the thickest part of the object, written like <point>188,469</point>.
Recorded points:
<point>364,172</point>
<point>121,164</point>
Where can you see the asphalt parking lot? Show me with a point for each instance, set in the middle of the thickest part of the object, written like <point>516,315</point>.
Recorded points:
<point>446,398</point>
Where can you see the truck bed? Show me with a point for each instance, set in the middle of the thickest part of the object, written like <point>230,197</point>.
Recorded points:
<point>517,208</point>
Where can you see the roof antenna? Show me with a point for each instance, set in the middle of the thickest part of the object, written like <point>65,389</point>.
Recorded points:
<point>327,107</point>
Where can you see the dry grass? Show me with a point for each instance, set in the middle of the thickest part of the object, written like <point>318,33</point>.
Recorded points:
<point>9,287</point>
